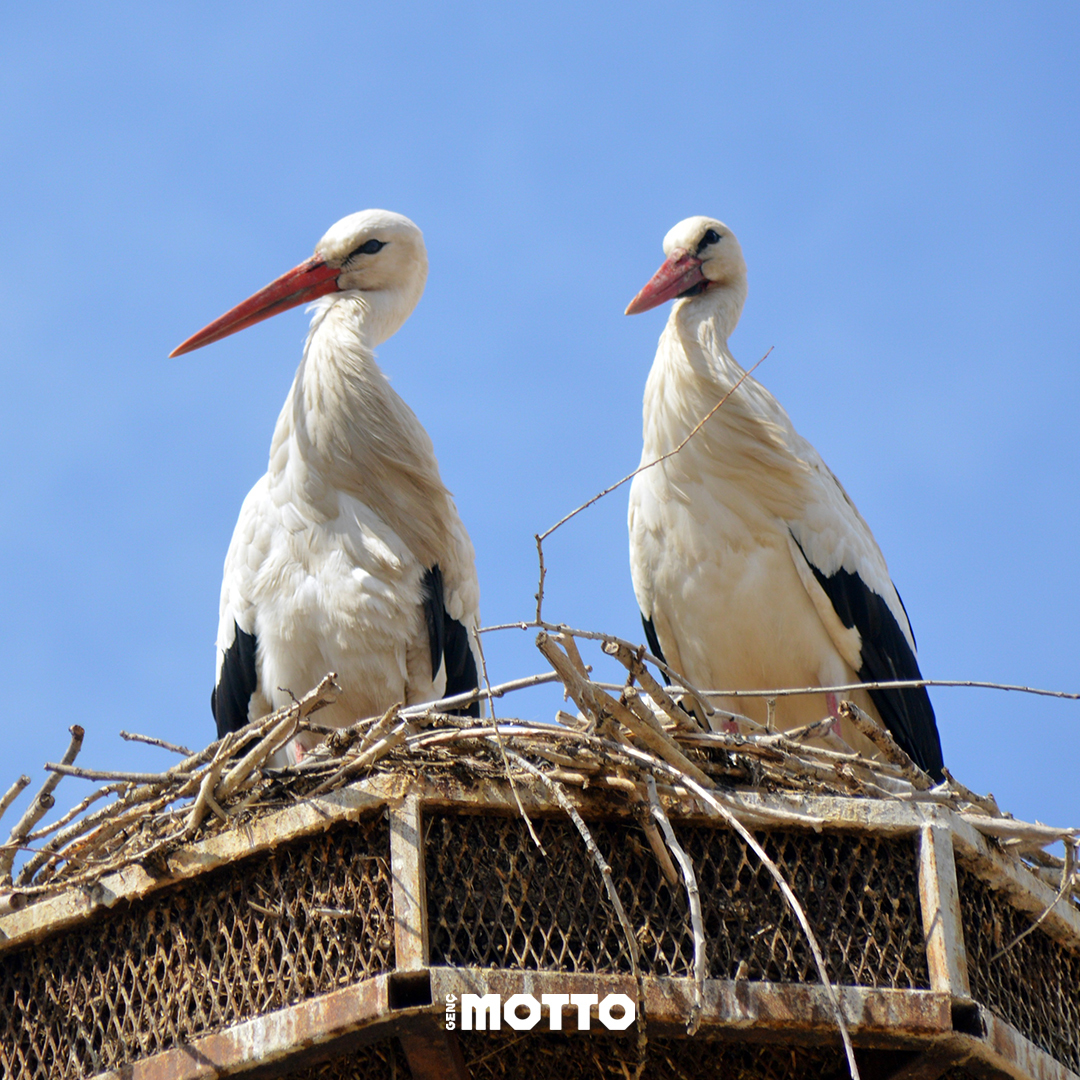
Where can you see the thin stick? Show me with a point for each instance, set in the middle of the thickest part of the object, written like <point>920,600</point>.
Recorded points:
<point>1068,878</point>
<point>898,684</point>
<point>1010,829</point>
<point>697,920</point>
<point>597,701</point>
<point>75,811</point>
<point>486,694</point>
<point>363,760</point>
<point>39,807</point>
<point>541,537</point>
<point>609,887</point>
<point>206,787</point>
<point>631,659</point>
<point>882,738</point>
<point>648,465</point>
<point>778,877</point>
<point>986,803</point>
<point>502,749</point>
<point>151,741</point>
<point>155,779</point>
<point>15,791</point>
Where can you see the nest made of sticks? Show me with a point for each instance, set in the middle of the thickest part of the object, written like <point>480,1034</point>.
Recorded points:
<point>623,736</point>
<point>635,738</point>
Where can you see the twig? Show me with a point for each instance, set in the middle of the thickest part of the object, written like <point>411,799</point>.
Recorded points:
<point>151,741</point>
<point>14,792</point>
<point>38,808</point>
<point>75,811</point>
<point>1068,879</point>
<point>897,684</point>
<point>631,659</point>
<point>277,737</point>
<point>697,921</point>
<point>778,877</point>
<point>361,761</point>
<point>541,537</point>
<point>593,700</point>
<point>487,694</point>
<point>649,464</point>
<point>502,749</point>
<point>153,779</point>
<point>986,803</point>
<point>1010,829</point>
<point>882,738</point>
<point>206,787</point>
<point>609,888</point>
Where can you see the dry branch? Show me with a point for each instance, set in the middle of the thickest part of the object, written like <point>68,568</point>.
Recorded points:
<point>13,793</point>
<point>42,803</point>
<point>697,920</point>
<point>151,741</point>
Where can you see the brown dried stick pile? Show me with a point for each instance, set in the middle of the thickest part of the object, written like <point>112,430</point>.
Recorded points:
<point>144,815</point>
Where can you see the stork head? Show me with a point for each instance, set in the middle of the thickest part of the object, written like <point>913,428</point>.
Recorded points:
<point>703,259</point>
<point>374,252</point>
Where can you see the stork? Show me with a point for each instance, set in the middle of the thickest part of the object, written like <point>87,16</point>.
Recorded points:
<point>349,554</point>
<point>751,565</point>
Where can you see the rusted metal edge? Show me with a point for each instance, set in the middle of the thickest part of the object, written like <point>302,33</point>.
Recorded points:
<point>1023,889</point>
<point>795,1012</point>
<point>407,884</point>
<point>905,1017</point>
<point>1003,1048</point>
<point>939,899</point>
<point>274,1037</point>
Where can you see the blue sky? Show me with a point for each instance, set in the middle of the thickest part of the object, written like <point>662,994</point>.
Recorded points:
<point>903,179</point>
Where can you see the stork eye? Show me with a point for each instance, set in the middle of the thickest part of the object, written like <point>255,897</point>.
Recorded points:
<point>711,237</point>
<point>369,248</point>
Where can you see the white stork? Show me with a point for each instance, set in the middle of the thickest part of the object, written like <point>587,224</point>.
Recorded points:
<point>348,555</point>
<point>751,565</point>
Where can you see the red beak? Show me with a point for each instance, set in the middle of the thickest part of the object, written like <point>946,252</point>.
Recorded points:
<point>305,282</point>
<point>681,271</point>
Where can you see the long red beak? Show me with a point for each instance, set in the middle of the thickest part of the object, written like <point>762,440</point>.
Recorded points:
<point>680,272</point>
<point>305,282</point>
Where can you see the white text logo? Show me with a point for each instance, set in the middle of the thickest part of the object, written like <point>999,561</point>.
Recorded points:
<point>487,1012</point>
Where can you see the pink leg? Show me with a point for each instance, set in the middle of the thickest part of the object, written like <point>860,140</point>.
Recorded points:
<point>833,703</point>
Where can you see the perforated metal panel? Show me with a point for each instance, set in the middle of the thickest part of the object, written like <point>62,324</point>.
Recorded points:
<point>495,900</point>
<point>1035,986</point>
<point>265,932</point>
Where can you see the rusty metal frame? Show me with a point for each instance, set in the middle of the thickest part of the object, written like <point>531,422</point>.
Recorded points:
<point>932,1030</point>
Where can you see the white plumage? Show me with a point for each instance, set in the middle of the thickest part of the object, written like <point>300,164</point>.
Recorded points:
<point>349,554</point>
<point>752,567</point>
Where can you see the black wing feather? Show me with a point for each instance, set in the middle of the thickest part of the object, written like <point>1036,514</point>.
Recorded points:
<point>449,640</point>
<point>886,657</point>
<point>238,680</point>
<point>654,644</point>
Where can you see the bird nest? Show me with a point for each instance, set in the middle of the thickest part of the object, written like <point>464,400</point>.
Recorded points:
<point>637,738</point>
<point>634,742</point>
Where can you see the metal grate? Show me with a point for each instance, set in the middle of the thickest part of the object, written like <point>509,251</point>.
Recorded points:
<point>383,1060</point>
<point>495,900</point>
<point>260,934</point>
<point>1035,986</point>
<point>505,1056</point>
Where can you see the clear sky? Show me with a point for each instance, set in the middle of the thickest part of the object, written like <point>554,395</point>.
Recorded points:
<point>903,179</point>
